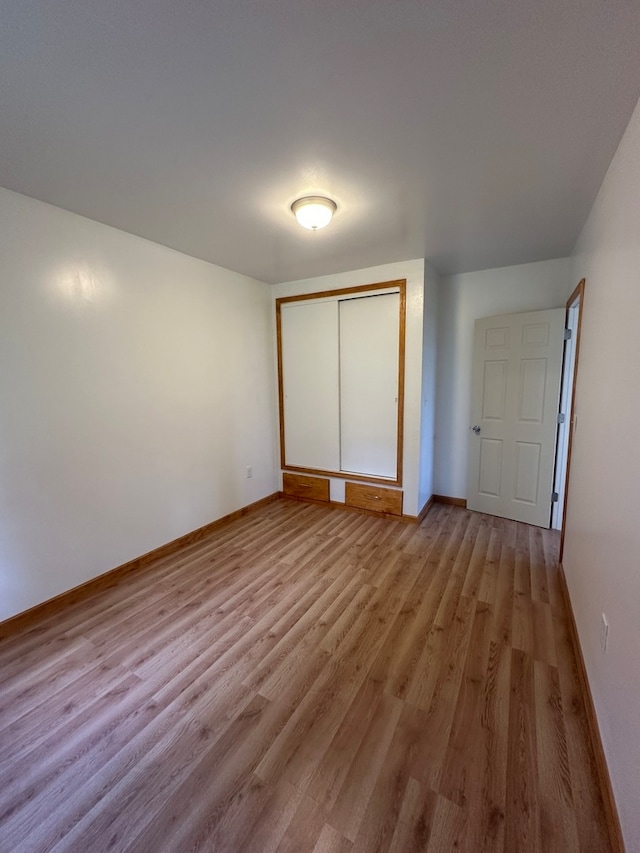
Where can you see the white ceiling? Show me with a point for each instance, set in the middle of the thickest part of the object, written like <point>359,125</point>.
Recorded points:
<point>471,132</point>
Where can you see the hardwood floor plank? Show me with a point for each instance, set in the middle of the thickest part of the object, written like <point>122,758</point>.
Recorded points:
<point>489,580</point>
<point>558,827</point>
<point>26,774</point>
<point>477,560</point>
<point>437,573</point>
<point>522,826</point>
<point>544,646</point>
<point>350,806</point>
<point>457,780</point>
<point>268,829</point>
<point>331,841</point>
<point>439,673</point>
<point>397,796</point>
<point>325,783</point>
<point>305,828</point>
<point>303,741</point>
<point>415,821</point>
<point>307,679</point>
<point>522,626</point>
<point>449,827</point>
<point>590,814</point>
<point>171,810</point>
<point>487,813</point>
<point>502,630</point>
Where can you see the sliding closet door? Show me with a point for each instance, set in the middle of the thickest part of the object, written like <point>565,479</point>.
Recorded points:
<point>311,389</point>
<point>369,340</point>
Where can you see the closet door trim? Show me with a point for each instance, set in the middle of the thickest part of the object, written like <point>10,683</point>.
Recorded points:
<point>399,287</point>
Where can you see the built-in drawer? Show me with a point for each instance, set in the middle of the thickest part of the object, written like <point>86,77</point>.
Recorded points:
<point>298,486</point>
<point>373,497</point>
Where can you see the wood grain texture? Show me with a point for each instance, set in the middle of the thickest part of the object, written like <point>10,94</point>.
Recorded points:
<point>113,577</point>
<point>373,497</point>
<point>445,499</point>
<point>308,679</point>
<point>313,488</point>
<point>406,519</point>
<point>611,811</point>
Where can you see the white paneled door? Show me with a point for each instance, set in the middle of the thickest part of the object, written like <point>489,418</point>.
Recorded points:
<point>517,364</point>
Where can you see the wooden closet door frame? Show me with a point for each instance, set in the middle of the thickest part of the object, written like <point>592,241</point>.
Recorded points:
<point>399,286</point>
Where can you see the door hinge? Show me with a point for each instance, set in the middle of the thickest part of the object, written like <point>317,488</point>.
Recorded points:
<point>561,418</point>
<point>554,497</point>
<point>568,334</point>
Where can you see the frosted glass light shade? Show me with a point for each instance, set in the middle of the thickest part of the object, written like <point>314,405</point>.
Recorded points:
<point>314,211</point>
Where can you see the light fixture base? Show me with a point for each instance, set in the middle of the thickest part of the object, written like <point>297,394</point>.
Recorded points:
<point>314,211</point>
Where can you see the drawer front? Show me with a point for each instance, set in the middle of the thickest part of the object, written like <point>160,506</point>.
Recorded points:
<point>374,497</point>
<point>297,486</point>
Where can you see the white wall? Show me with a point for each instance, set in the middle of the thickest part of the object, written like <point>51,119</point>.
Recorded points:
<point>602,545</point>
<point>135,388</point>
<point>413,271</point>
<point>429,364</point>
<point>462,300</point>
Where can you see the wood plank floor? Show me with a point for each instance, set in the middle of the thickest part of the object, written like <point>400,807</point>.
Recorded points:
<point>307,679</point>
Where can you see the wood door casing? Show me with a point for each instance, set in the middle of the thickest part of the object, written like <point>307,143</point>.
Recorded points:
<point>334,470</point>
<point>576,299</point>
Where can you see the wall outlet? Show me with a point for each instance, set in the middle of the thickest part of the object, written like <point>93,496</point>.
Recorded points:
<point>604,633</point>
<point>249,472</point>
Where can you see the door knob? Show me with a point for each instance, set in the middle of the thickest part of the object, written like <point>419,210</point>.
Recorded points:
<point>476,429</point>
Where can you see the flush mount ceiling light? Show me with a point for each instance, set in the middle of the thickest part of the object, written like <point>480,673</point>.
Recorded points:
<point>314,211</point>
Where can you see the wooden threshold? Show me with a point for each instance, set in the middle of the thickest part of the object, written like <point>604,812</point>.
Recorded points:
<point>610,809</point>
<point>113,576</point>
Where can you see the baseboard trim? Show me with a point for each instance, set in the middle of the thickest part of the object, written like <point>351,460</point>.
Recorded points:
<point>27,618</point>
<point>610,809</point>
<point>445,499</point>
<point>425,509</point>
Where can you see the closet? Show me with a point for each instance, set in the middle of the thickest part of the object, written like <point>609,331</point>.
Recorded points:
<point>341,384</point>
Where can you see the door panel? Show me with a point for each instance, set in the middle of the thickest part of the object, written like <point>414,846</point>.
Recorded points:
<point>311,403</point>
<point>369,347</point>
<point>497,336</point>
<point>535,334</point>
<point>516,383</point>
<point>490,467</point>
<point>527,472</point>
<point>494,392</point>
<point>531,389</point>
